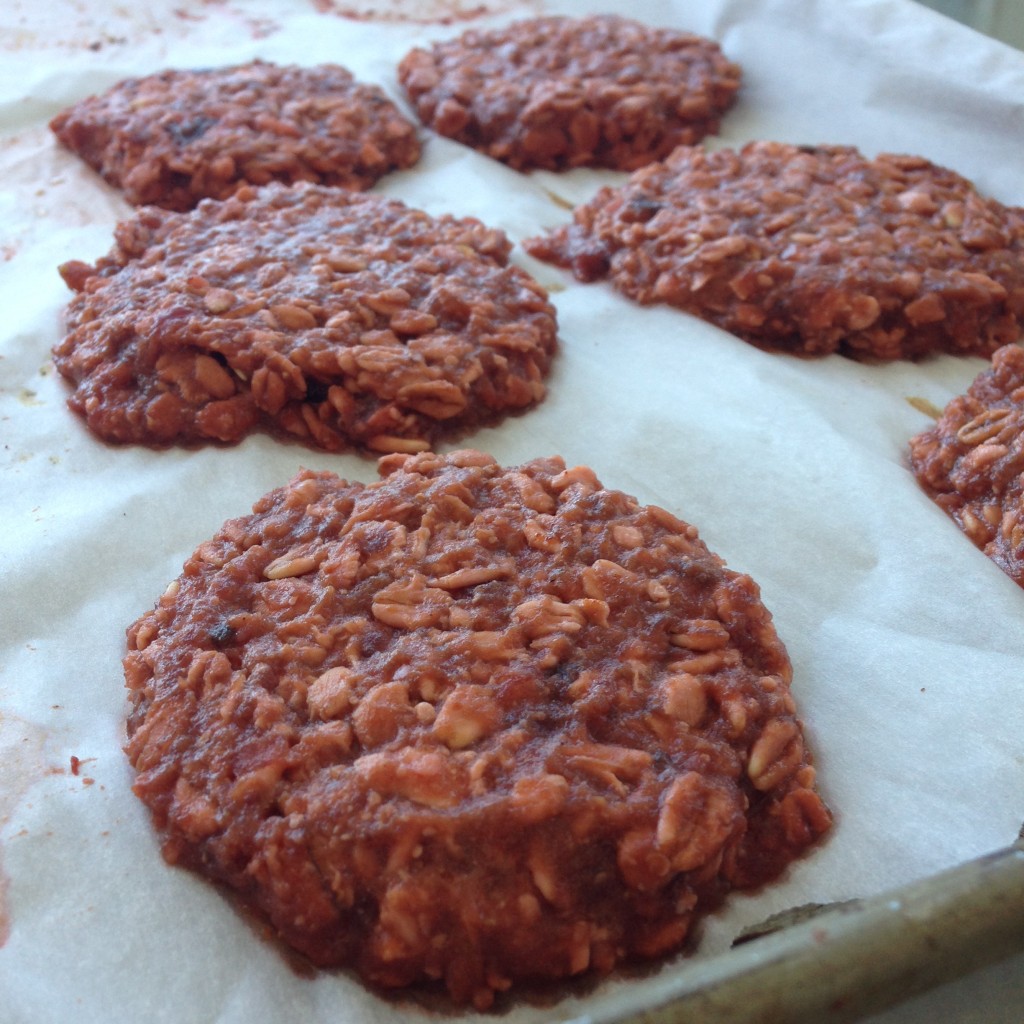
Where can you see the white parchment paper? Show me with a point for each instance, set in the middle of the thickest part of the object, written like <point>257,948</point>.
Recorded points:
<point>907,643</point>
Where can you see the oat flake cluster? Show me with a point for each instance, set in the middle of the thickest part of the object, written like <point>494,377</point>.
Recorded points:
<point>809,250</point>
<point>469,724</point>
<point>338,319</point>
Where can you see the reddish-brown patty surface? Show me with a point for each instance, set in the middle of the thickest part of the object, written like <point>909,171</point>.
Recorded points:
<point>469,724</point>
<point>339,319</point>
<point>173,138</point>
<point>809,250</point>
<point>600,91</point>
<point>972,461</point>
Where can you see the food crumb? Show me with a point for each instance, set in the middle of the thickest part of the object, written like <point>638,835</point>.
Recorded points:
<point>923,405</point>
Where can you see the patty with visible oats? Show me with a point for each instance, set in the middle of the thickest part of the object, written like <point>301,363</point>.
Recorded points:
<point>809,250</point>
<point>469,725</point>
<point>178,136</point>
<point>339,319</point>
<point>559,92</point>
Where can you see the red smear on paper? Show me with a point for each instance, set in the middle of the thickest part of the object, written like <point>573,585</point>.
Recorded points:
<point>443,12</point>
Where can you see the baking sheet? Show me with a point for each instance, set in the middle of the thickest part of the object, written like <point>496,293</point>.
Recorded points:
<point>906,641</point>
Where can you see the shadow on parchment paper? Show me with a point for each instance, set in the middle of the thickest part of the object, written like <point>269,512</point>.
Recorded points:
<point>432,999</point>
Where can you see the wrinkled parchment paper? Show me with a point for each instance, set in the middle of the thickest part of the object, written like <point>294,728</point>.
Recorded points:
<point>906,641</point>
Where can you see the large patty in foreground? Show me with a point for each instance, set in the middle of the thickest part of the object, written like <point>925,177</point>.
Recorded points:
<point>469,724</point>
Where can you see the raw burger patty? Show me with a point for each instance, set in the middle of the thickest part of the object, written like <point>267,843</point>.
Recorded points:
<point>809,250</point>
<point>553,93</point>
<point>339,319</point>
<point>173,138</point>
<point>469,724</point>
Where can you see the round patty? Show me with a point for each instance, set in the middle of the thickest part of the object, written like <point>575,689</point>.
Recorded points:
<point>553,93</point>
<point>809,249</point>
<point>972,461</point>
<point>173,138</point>
<point>336,318</point>
<point>469,724</point>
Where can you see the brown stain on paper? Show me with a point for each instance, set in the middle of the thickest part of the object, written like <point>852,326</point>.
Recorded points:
<point>21,754</point>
